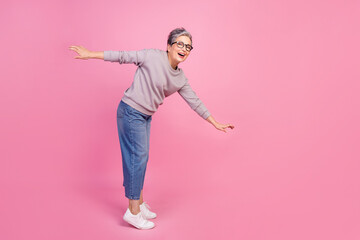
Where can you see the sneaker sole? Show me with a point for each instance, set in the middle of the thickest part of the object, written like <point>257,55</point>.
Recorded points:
<point>137,226</point>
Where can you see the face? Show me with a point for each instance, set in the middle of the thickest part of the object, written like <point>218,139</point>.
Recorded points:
<point>177,54</point>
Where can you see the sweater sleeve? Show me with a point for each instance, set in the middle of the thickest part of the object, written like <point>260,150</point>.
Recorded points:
<point>136,57</point>
<point>193,101</point>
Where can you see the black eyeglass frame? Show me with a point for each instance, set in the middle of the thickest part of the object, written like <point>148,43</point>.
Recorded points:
<point>184,45</point>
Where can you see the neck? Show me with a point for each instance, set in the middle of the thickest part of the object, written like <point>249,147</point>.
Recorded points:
<point>173,65</point>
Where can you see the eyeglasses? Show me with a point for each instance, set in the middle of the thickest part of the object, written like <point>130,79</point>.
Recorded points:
<point>180,44</point>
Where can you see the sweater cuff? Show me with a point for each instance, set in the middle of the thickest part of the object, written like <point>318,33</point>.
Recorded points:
<point>205,115</point>
<point>110,56</point>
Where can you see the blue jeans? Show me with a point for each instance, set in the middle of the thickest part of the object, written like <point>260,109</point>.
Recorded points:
<point>134,137</point>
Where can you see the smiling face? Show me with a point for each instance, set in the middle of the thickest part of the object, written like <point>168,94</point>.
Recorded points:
<point>176,54</point>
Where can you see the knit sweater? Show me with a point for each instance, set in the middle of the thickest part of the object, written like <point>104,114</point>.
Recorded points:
<point>154,80</point>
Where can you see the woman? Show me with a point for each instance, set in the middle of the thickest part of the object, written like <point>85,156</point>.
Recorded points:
<point>156,77</point>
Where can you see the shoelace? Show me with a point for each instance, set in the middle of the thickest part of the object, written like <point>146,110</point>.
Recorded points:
<point>146,212</point>
<point>145,209</point>
<point>147,205</point>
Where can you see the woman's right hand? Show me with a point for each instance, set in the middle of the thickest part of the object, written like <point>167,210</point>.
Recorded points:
<point>83,52</point>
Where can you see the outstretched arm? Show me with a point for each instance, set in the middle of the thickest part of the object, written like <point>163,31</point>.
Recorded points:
<point>136,57</point>
<point>217,125</point>
<point>85,53</point>
<point>198,106</point>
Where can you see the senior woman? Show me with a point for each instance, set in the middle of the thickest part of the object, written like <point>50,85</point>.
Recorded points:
<point>156,77</point>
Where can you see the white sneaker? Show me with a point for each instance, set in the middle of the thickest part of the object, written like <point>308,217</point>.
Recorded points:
<point>137,220</point>
<point>144,208</point>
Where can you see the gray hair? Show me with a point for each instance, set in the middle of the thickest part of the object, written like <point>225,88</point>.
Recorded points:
<point>174,34</point>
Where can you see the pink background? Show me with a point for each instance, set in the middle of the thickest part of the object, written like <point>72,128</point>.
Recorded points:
<point>285,73</point>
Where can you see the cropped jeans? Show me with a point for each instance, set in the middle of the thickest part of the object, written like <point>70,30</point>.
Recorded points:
<point>134,137</point>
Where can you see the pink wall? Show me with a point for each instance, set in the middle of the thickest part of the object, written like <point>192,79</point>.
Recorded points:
<point>285,73</point>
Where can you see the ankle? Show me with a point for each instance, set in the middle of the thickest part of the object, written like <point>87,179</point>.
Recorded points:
<point>135,210</point>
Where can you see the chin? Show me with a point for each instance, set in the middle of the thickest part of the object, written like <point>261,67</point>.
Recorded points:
<point>181,60</point>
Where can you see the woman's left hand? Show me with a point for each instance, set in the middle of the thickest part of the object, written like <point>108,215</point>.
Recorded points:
<point>219,126</point>
<point>222,127</point>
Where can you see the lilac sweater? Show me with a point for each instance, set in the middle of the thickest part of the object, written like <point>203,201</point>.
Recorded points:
<point>154,80</point>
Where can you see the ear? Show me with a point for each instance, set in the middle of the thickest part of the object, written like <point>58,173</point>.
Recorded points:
<point>168,47</point>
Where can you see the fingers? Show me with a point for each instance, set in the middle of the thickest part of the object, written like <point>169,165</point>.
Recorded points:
<point>81,51</point>
<point>227,126</point>
<point>221,129</point>
<point>77,50</point>
<point>74,48</point>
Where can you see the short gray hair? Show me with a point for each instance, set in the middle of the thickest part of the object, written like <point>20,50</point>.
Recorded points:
<point>177,32</point>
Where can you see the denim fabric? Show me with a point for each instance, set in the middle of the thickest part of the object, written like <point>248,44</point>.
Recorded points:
<point>134,137</point>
